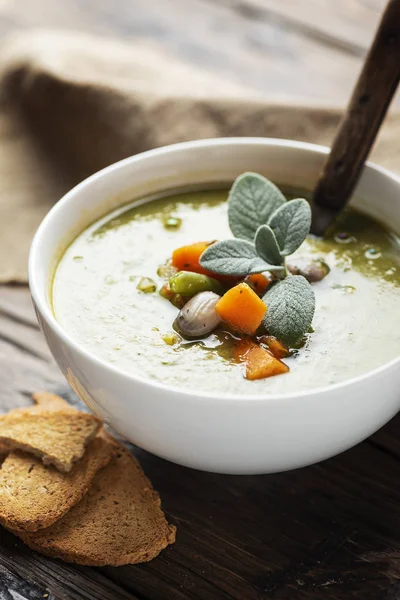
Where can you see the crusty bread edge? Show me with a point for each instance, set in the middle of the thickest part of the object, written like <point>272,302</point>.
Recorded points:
<point>11,445</point>
<point>20,525</point>
<point>81,559</point>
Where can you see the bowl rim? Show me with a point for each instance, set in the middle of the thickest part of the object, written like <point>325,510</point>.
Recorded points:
<point>47,314</point>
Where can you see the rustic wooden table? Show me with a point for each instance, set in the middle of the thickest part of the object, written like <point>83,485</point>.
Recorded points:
<point>331,531</point>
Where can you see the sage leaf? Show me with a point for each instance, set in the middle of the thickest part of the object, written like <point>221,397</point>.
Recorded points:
<point>234,257</point>
<point>291,224</point>
<point>290,309</point>
<point>267,246</point>
<point>252,200</point>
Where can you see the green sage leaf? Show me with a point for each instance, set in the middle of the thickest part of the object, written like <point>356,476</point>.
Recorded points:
<point>235,257</point>
<point>290,309</point>
<point>267,246</point>
<point>291,224</point>
<point>252,200</point>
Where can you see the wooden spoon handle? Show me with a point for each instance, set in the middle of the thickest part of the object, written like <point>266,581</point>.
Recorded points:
<point>368,105</point>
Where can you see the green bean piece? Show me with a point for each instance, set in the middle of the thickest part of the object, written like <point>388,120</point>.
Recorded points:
<point>189,284</point>
<point>146,285</point>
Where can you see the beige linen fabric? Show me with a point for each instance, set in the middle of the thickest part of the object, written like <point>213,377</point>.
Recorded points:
<point>71,104</point>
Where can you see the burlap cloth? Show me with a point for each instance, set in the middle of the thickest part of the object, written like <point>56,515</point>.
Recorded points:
<point>71,104</point>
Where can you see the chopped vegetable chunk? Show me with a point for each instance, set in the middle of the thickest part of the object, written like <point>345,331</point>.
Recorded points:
<point>171,338</point>
<point>241,309</point>
<point>258,282</point>
<point>260,363</point>
<point>189,284</point>
<point>146,285</point>
<point>274,345</point>
<point>175,299</point>
<point>166,270</point>
<point>187,258</point>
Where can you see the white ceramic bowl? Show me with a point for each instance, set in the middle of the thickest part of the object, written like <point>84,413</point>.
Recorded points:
<point>232,434</point>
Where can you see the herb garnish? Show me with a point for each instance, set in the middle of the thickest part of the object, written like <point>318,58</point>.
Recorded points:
<point>267,229</point>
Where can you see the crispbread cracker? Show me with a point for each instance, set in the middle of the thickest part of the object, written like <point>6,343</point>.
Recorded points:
<point>119,521</point>
<point>52,402</point>
<point>33,496</point>
<point>58,437</point>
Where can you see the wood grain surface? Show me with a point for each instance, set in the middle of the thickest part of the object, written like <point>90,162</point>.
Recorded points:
<point>327,532</point>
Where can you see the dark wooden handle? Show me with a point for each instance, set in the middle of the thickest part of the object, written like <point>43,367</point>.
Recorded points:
<point>370,100</point>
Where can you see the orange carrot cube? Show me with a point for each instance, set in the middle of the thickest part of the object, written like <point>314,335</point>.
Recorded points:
<point>187,258</point>
<point>241,309</point>
<point>274,346</point>
<point>258,282</point>
<point>260,363</point>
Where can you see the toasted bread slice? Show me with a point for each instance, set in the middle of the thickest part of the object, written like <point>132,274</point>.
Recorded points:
<point>51,401</point>
<point>119,521</point>
<point>58,437</point>
<point>33,496</point>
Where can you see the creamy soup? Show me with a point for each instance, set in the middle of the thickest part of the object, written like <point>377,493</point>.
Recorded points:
<point>96,299</point>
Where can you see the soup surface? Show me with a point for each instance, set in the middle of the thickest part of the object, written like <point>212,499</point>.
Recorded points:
<point>96,300</point>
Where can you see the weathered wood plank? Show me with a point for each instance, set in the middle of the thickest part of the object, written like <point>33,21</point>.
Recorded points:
<point>14,586</point>
<point>26,339</point>
<point>308,530</point>
<point>16,304</point>
<point>27,575</point>
<point>261,53</point>
<point>347,25</point>
<point>21,373</point>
